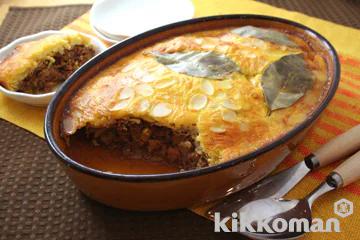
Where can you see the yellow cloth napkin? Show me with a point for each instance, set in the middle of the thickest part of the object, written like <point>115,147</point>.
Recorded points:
<point>342,113</point>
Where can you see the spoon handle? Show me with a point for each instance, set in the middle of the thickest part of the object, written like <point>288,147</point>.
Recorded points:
<point>336,149</point>
<point>348,172</point>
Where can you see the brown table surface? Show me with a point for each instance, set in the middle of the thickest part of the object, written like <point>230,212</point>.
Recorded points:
<point>38,201</point>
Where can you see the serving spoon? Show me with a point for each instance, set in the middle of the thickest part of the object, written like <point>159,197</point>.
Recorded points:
<point>270,209</point>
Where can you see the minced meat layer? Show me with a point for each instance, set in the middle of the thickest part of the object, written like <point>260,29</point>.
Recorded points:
<point>151,142</point>
<point>49,74</point>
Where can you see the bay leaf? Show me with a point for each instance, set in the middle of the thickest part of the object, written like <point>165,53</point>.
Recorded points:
<point>206,64</point>
<point>285,81</point>
<point>264,34</point>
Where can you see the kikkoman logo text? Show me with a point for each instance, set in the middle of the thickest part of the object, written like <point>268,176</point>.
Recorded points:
<point>342,208</point>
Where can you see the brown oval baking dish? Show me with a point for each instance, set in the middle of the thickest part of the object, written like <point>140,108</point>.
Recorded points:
<point>138,185</point>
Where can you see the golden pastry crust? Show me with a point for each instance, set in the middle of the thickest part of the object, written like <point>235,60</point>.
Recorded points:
<point>27,56</point>
<point>230,116</point>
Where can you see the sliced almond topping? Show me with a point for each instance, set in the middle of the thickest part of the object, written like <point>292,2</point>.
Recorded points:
<point>225,84</point>
<point>165,84</point>
<point>161,110</point>
<point>207,87</point>
<point>208,46</point>
<point>218,129</point>
<point>144,90</point>
<point>230,105</point>
<point>197,102</point>
<point>199,40</point>
<point>147,78</point>
<point>223,48</point>
<point>229,115</point>
<point>138,73</point>
<point>126,93</point>
<point>144,105</point>
<point>254,43</point>
<point>258,43</point>
<point>121,105</point>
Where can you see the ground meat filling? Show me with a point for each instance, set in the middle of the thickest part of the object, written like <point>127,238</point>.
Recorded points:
<point>49,74</point>
<point>151,142</point>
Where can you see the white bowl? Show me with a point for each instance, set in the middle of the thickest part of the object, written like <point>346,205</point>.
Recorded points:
<point>130,17</point>
<point>38,99</point>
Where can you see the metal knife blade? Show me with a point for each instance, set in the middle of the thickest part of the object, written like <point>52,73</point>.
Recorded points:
<point>275,186</point>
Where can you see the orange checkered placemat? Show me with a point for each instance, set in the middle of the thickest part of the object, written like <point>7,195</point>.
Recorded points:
<point>342,113</point>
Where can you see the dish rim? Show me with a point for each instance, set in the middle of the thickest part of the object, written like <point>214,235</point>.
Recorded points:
<point>194,172</point>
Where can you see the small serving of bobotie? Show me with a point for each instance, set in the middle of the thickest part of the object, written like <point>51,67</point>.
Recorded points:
<point>40,66</point>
